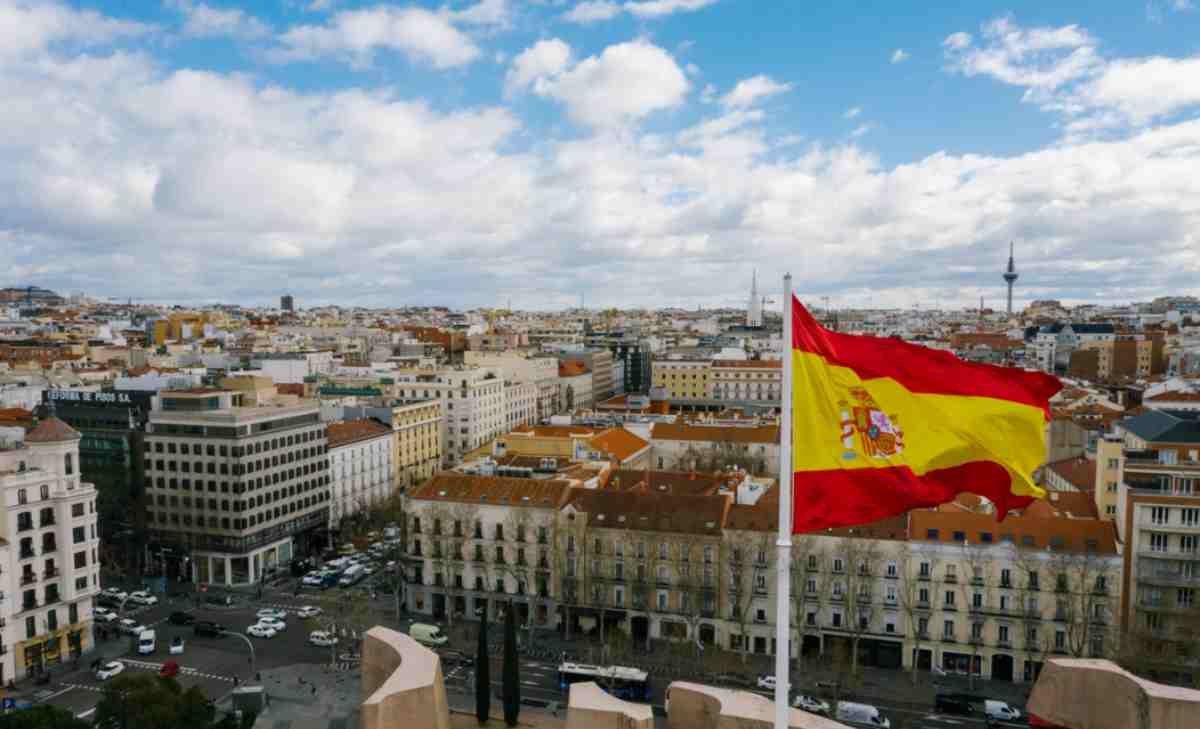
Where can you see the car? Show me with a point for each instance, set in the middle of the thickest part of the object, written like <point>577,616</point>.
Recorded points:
<point>109,670</point>
<point>308,611</point>
<point>102,615</point>
<point>129,626</point>
<point>955,704</point>
<point>391,565</point>
<point>170,669</point>
<point>260,631</point>
<point>369,570</point>
<point>114,593</point>
<point>766,682</point>
<point>271,613</point>
<point>176,648</point>
<point>312,579</point>
<point>811,704</point>
<point>142,597</point>
<point>273,623</point>
<point>207,628</point>
<point>322,638</point>
<point>181,618</point>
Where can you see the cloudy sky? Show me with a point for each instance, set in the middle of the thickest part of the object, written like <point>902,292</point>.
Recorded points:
<point>635,152</point>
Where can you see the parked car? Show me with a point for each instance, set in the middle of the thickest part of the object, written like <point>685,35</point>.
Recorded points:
<point>312,579</point>
<point>811,704</point>
<point>141,597</point>
<point>308,611</point>
<point>109,670</point>
<point>128,626</point>
<point>170,669</point>
<point>260,631</point>
<point>427,634</point>
<point>147,642</point>
<point>273,623</point>
<point>322,638</point>
<point>181,618</point>
<point>207,628</point>
<point>176,648</point>
<point>271,613</point>
<point>766,682</point>
<point>108,601</point>
<point>102,615</point>
<point>955,704</point>
<point>1000,711</point>
<point>114,593</point>
<point>865,715</point>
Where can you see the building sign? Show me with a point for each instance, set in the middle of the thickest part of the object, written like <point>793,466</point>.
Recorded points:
<point>108,398</point>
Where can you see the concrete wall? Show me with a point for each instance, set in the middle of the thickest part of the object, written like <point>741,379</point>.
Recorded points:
<point>590,707</point>
<point>402,684</point>
<point>693,706</point>
<point>1096,694</point>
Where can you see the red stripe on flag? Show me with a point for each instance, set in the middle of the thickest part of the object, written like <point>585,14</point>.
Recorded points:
<point>853,497</point>
<point>919,368</point>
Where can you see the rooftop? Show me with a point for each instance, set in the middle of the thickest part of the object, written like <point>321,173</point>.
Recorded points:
<point>351,431</point>
<point>619,443</point>
<point>749,363</point>
<point>1078,471</point>
<point>51,430</point>
<point>766,434</point>
<point>469,488</point>
<point>656,512</point>
<point>1165,426</point>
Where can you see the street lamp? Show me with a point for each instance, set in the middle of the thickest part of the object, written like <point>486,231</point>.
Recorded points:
<point>249,643</point>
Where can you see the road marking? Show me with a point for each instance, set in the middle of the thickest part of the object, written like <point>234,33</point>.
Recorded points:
<point>97,689</point>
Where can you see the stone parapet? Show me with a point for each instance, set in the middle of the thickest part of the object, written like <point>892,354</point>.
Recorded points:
<point>1079,693</point>
<point>402,685</point>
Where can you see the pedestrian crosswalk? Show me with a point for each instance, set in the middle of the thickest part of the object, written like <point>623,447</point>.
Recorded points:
<point>152,666</point>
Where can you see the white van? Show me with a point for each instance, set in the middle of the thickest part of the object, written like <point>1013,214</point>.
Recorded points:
<point>427,634</point>
<point>145,644</point>
<point>1000,711</point>
<point>352,575</point>
<point>861,715</point>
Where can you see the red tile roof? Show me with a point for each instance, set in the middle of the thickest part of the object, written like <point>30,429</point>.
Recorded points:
<point>351,431</point>
<point>619,443</point>
<point>1079,472</point>
<point>766,434</point>
<point>749,363</point>
<point>51,430</point>
<point>472,489</point>
<point>571,368</point>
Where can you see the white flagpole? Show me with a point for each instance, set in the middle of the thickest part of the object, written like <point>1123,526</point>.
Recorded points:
<point>783,545</point>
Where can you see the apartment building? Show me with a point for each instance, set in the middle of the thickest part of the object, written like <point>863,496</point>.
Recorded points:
<point>704,446</point>
<point>49,561</point>
<point>600,363</point>
<point>682,379</point>
<point>1109,451</point>
<point>476,543</point>
<point>1158,519</point>
<point>746,380</point>
<point>472,400</point>
<point>360,467</point>
<point>417,445</point>
<point>525,369</point>
<point>520,404</point>
<point>236,491</point>
<point>575,386</point>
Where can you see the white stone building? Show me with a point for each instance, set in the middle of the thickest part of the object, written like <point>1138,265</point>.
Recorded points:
<point>473,403</point>
<point>361,469</point>
<point>49,566</point>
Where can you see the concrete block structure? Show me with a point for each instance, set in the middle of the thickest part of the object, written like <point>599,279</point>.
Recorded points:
<point>590,707</point>
<point>693,706</point>
<point>402,684</point>
<point>1097,694</point>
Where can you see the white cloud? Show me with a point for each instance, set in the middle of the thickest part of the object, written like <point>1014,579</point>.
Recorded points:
<point>354,35</point>
<point>544,59</point>
<point>1062,71</point>
<point>900,55</point>
<point>493,13</point>
<point>624,83</point>
<point>860,130</point>
<point>191,186</point>
<point>205,21</point>
<point>29,26</point>
<point>591,11</point>
<point>659,8</point>
<point>750,91</point>
<point>852,112</point>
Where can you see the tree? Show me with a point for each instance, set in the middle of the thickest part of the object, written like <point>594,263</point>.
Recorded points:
<point>44,716</point>
<point>145,701</point>
<point>483,676</point>
<point>511,684</point>
<point>861,554</point>
<point>748,560</point>
<point>722,455</point>
<point>1082,602</point>
<point>808,556</point>
<point>914,574</point>
<point>975,561</point>
<point>567,549</point>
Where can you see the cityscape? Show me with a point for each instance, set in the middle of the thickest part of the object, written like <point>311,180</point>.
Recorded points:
<point>432,365</point>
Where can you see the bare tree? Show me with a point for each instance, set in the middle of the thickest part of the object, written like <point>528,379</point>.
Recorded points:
<point>1081,599</point>
<point>976,562</point>
<point>915,575</point>
<point>861,556</point>
<point>570,560</point>
<point>722,455</point>
<point>1030,566</point>
<point>809,585</point>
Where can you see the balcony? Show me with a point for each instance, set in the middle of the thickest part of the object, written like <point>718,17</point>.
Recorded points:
<point>923,577</point>
<point>950,608</point>
<point>24,526</point>
<point>1060,616</point>
<point>949,638</point>
<point>951,579</point>
<point>29,605</point>
<point>28,578</point>
<point>1006,584</point>
<point>975,640</point>
<point>1006,644</point>
<point>977,581</point>
<point>28,553</point>
<point>47,521</point>
<point>47,548</point>
<point>923,634</point>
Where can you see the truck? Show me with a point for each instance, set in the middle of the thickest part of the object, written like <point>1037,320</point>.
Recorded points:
<point>145,642</point>
<point>352,575</point>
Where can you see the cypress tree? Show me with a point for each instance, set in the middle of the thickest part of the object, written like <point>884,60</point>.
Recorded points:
<point>483,677</point>
<point>511,684</point>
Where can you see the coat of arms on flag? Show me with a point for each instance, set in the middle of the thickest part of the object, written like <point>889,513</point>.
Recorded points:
<point>879,434</point>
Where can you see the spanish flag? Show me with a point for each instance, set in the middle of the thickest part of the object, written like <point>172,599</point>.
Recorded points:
<point>880,426</point>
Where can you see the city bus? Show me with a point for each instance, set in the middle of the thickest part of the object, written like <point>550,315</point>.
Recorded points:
<point>623,682</point>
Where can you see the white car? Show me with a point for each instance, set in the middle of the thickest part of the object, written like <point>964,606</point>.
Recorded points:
<point>313,579</point>
<point>261,631</point>
<point>811,705</point>
<point>130,627</point>
<point>273,623</point>
<point>308,611</point>
<point>115,593</point>
<point>766,682</point>
<point>103,615</point>
<point>108,670</point>
<point>142,598</point>
<point>369,570</point>
<point>322,638</point>
<point>271,613</point>
<point>176,648</point>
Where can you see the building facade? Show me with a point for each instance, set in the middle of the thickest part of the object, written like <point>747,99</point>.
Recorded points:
<point>520,368</point>
<point>361,469</point>
<point>472,402</point>
<point>600,363</point>
<point>682,379</point>
<point>417,425</point>
<point>234,492</point>
<point>51,568</point>
<point>746,380</point>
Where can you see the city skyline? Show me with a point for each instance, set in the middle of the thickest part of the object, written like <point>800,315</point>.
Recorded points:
<point>634,154</point>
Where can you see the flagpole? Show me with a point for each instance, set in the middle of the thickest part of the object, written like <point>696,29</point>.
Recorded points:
<point>783,545</point>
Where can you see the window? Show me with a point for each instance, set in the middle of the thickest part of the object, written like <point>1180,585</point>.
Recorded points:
<point>30,627</point>
<point>1158,542</point>
<point>891,569</point>
<point>960,536</point>
<point>1003,634</point>
<point>924,569</point>
<point>73,613</point>
<point>977,600</point>
<point>80,560</point>
<point>1159,514</point>
<point>1185,597</point>
<point>985,537</point>
<point>1187,543</point>
<point>838,565</point>
<point>948,630</point>
<point>950,599</point>
<point>890,595</point>
<point>812,561</point>
<point>931,534</point>
<point>1060,640</point>
<point>1189,517</point>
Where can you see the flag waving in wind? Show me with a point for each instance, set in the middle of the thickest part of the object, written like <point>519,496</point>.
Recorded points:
<point>880,426</point>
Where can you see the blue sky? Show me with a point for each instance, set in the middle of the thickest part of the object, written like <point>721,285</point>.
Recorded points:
<point>647,152</point>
